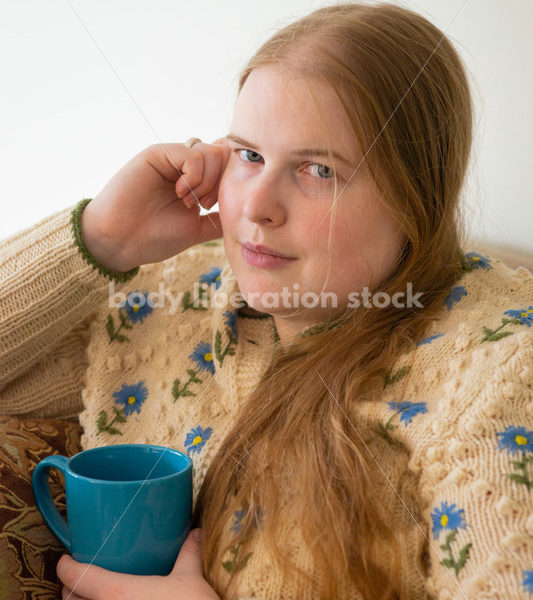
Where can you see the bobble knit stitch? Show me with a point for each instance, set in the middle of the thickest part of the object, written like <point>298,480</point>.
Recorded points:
<point>453,429</point>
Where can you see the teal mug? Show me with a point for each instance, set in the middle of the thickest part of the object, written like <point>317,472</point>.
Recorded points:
<point>129,506</point>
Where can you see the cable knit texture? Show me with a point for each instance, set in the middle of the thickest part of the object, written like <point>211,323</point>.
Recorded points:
<point>161,360</point>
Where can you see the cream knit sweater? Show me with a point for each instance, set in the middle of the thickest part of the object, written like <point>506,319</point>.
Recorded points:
<point>176,374</point>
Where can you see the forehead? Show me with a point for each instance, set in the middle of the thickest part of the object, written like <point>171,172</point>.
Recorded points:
<point>292,110</point>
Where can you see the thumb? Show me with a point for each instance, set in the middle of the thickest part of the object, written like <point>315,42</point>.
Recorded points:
<point>189,561</point>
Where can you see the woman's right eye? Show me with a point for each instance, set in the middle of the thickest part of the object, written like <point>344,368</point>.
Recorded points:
<point>253,158</point>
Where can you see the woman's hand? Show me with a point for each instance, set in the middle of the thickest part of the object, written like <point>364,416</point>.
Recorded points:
<point>185,582</point>
<point>139,216</point>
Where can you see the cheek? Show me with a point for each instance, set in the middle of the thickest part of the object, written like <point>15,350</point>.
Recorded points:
<point>363,225</point>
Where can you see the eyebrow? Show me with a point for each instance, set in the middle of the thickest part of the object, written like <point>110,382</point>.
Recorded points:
<point>299,152</point>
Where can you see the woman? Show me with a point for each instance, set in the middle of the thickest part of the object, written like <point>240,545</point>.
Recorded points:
<point>353,423</point>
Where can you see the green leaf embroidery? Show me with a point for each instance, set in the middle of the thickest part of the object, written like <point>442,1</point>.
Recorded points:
<point>447,562</point>
<point>196,304</point>
<point>390,378</point>
<point>466,267</point>
<point>383,431</point>
<point>492,335</point>
<point>451,537</point>
<point>463,555</point>
<point>520,479</point>
<point>450,562</point>
<point>114,334</point>
<point>523,478</point>
<point>110,326</point>
<point>103,425</point>
<point>113,431</point>
<point>232,566</point>
<point>219,353</point>
<point>178,391</point>
<point>101,421</point>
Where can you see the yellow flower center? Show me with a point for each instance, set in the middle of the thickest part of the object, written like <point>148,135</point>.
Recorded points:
<point>521,440</point>
<point>444,520</point>
<point>208,357</point>
<point>524,314</point>
<point>136,307</point>
<point>475,258</point>
<point>131,400</point>
<point>197,440</point>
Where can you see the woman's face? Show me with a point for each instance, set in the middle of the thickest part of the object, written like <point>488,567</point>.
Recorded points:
<point>272,194</point>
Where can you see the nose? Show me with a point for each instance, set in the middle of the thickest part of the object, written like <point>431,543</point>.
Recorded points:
<point>264,200</point>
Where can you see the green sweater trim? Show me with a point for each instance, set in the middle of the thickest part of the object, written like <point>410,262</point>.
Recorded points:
<point>75,221</point>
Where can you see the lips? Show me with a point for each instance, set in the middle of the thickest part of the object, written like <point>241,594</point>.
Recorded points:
<point>259,248</point>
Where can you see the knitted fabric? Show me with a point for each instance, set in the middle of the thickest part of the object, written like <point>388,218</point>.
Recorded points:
<point>49,292</point>
<point>75,221</point>
<point>453,428</point>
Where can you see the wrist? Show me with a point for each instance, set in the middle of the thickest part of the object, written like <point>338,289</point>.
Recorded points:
<point>99,244</point>
<point>79,241</point>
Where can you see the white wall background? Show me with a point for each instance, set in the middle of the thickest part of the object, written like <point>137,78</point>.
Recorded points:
<point>67,123</point>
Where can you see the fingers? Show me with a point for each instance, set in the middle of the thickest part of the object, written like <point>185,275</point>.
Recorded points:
<point>192,171</point>
<point>189,561</point>
<point>196,171</point>
<point>226,153</point>
<point>85,578</point>
<point>195,185</point>
<point>226,149</point>
<point>68,594</point>
<point>71,573</point>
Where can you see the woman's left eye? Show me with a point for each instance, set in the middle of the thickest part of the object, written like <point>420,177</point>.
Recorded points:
<point>323,171</point>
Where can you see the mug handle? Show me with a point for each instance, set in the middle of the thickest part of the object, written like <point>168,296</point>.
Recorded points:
<point>41,491</point>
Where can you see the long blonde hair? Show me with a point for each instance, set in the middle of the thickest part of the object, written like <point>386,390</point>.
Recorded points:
<point>417,142</point>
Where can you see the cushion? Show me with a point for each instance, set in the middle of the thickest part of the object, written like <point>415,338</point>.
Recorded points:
<point>29,551</point>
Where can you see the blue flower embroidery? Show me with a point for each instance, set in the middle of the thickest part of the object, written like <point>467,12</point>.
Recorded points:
<point>212,277</point>
<point>455,295</point>
<point>131,397</point>
<point>407,410</point>
<point>231,321</point>
<point>528,581</point>
<point>516,439</point>
<point>236,527</point>
<point>525,316</point>
<point>447,517</point>
<point>428,340</point>
<point>476,260</point>
<point>137,306</point>
<point>197,438</point>
<point>239,515</point>
<point>203,357</point>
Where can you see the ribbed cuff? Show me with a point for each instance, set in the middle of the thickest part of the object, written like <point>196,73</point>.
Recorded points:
<point>75,221</point>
